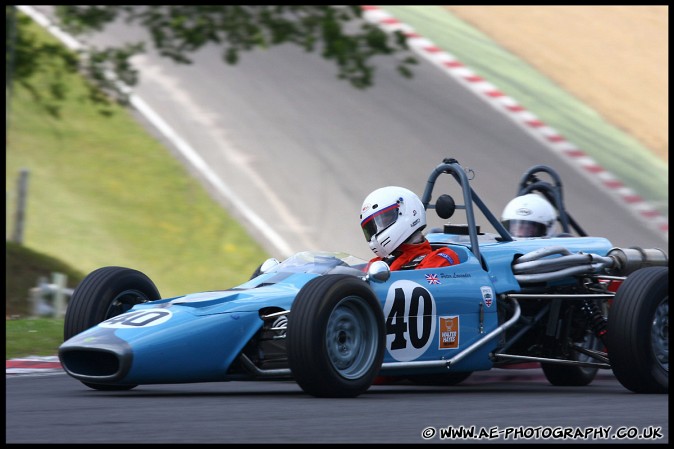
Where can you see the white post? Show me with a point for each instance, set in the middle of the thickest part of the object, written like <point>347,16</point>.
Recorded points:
<point>20,217</point>
<point>34,296</point>
<point>60,280</point>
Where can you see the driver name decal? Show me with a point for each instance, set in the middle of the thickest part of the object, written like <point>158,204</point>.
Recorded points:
<point>454,275</point>
<point>410,320</point>
<point>140,318</point>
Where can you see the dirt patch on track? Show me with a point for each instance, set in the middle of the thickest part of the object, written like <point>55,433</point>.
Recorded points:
<point>613,58</point>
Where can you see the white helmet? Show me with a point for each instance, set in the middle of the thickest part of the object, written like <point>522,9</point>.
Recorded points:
<point>389,216</point>
<point>529,215</point>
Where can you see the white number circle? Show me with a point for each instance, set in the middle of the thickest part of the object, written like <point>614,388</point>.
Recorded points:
<point>410,320</point>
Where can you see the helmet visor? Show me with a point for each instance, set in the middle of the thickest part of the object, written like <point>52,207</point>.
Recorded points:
<point>525,228</point>
<point>379,221</point>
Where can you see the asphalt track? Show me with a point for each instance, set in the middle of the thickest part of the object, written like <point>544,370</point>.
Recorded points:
<point>289,141</point>
<point>56,409</point>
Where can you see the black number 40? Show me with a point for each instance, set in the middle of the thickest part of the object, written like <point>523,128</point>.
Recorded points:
<point>397,322</point>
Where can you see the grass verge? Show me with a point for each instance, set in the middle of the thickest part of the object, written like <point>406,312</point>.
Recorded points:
<point>33,336</point>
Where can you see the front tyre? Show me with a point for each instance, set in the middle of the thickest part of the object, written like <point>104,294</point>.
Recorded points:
<point>638,331</point>
<point>335,336</point>
<point>105,293</point>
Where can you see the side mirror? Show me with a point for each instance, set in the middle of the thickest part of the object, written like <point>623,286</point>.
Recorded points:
<point>379,271</point>
<point>445,206</point>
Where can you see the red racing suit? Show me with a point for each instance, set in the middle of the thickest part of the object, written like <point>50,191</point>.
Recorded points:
<point>420,255</point>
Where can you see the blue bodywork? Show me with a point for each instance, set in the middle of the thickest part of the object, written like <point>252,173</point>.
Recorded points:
<point>431,314</point>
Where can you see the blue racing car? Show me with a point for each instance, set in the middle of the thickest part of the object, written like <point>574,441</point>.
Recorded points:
<point>572,303</point>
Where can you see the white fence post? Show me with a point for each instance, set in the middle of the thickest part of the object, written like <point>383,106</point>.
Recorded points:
<point>20,217</point>
<point>50,299</point>
<point>60,281</point>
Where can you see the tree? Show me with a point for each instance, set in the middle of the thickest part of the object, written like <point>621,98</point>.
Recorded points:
<point>178,30</point>
<point>25,55</point>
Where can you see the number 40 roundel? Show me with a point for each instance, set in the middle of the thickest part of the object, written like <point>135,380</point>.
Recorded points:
<point>410,320</point>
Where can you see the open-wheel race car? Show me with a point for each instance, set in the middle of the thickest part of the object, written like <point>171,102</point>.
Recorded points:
<point>574,304</point>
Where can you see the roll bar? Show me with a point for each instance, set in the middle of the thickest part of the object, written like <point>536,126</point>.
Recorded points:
<point>451,166</point>
<point>553,193</point>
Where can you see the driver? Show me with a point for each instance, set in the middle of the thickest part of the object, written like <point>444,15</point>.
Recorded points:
<point>392,219</point>
<point>529,215</point>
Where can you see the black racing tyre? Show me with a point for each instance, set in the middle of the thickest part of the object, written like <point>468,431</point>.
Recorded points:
<point>105,293</point>
<point>335,336</point>
<point>638,331</point>
<point>574,376</point>
<point>444,380</point>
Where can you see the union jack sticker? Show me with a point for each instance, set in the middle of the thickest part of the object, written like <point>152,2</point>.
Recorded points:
<point>432,279</point>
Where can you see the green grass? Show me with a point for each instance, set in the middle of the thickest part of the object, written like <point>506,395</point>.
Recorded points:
<point>103,192</point>
<point>33,336</point>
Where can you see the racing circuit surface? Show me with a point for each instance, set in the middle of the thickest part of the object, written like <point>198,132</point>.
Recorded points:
<point>55,408</point>
<point>300,150</point>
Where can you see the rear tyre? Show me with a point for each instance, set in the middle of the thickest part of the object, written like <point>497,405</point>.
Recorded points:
<point>638,331</point>
<point>335,336</point>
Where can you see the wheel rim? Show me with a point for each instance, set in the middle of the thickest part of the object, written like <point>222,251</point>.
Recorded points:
<point>124,301</point>
<point>591,342</point>
<point>660,334</point>
<point>350,338</point>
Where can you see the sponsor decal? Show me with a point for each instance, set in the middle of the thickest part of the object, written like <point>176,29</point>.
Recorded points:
<point>432,279</point>
<point>523,211</point>
<point>487,295</point>
<point>449,332</point>
<point>447,257</point>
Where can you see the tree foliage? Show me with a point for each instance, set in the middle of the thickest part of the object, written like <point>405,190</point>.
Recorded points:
<point>338,32</point>
<point>25,55</point>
